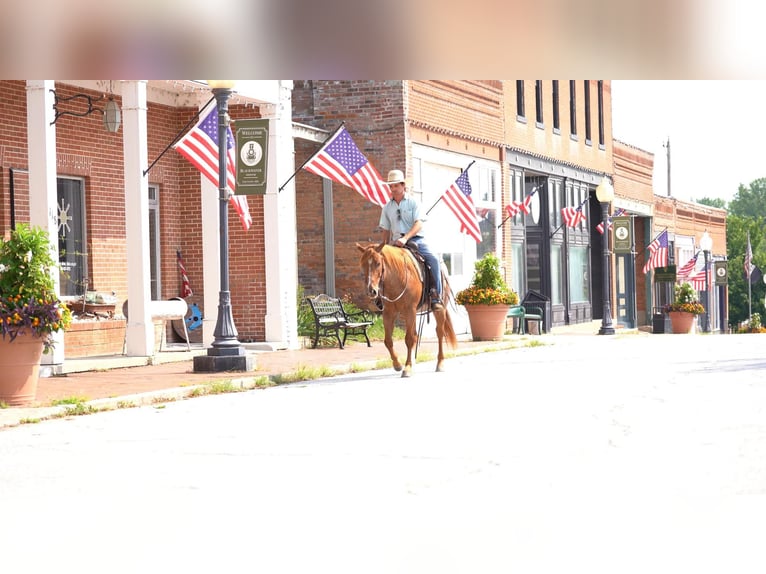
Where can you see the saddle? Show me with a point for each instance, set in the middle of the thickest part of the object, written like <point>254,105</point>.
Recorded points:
<point>426,277</point>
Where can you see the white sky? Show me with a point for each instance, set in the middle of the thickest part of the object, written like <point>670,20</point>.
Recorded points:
<point>717,131</point>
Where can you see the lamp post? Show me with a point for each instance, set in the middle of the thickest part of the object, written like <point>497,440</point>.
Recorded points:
<point>226,352</point>
<point>605,195</point>
<point>706,244</point>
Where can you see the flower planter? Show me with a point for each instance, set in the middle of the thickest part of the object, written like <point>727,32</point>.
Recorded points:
<point>487,321</point>
<point>20,368</point>
<point>681,321</point>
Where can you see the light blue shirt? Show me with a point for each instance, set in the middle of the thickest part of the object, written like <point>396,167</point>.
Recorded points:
<point>398,218</point>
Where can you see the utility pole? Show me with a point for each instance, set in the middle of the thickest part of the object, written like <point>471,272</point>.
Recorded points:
<point>667,147</point>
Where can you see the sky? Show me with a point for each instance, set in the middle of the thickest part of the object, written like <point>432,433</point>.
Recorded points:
<point>716,128</point>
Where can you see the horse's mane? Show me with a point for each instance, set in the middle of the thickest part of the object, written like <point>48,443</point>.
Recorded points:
<point>397,260</point>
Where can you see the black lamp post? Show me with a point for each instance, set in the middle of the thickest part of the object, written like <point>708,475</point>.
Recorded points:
<point>706,244</point>
<point>605,194</point>
<point>226,353</point>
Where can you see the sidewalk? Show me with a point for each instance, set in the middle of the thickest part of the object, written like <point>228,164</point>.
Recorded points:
<point>111,382</point>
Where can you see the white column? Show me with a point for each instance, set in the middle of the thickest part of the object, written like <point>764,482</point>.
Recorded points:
<point>140,329</point>
<point>41,143</point>
<point>280,227</point>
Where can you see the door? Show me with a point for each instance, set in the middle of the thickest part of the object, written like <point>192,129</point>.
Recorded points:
<point>625,286</point>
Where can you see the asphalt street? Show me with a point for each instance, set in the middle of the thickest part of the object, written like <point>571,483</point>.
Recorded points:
<point>629,454</point>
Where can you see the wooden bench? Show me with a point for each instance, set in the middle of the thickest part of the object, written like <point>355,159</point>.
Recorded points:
<point>330,318</point>
<point>526,313</point>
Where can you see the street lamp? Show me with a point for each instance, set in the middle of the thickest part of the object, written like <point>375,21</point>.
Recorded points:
<point>225,353</point>
<point>706,244</point>
<point>605,195</point>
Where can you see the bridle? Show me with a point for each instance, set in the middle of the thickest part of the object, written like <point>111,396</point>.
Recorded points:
<point>381,284</point>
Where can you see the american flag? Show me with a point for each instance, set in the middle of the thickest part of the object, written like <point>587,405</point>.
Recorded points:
<point>687,268</point>
<point>658,252</point>
<point>340,160</point>
<point>698,279</point>
<point>200,147</point>
<point>572,215</point>
<point>748,258</point>
<point>600,226</point>
<point>186,290</point>
<point>513,208</point>
<point>458,199</point>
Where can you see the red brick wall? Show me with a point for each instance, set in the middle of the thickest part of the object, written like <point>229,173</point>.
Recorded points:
<point>527,136</point>
<point>373,115</point>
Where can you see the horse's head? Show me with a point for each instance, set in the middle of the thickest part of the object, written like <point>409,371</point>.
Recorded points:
<point>371,264</point>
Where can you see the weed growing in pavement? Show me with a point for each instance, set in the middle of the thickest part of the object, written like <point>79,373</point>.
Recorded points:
<point>29,421</point>
<point>77,409</point>
<point>69,401</point>
<point>305,373</point>
<point>4,405</point>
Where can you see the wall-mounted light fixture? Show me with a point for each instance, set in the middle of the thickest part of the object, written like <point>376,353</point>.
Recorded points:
<point>110,111</point>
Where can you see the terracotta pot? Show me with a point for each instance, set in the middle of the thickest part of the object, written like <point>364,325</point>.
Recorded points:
<point>487,321</point>
<point>20,368</point>
<point>681,321</point>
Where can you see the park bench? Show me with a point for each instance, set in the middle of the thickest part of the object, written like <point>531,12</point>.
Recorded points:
<point>524,313</point>
<point>330,319</point>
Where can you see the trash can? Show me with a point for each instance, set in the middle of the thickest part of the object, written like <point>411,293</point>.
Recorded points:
<point>535,299</point>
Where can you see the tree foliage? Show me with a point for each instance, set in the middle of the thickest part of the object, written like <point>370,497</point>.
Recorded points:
<point>747,214</point>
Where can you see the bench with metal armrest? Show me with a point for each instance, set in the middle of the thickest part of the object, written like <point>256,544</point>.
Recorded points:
<point>330,318</point>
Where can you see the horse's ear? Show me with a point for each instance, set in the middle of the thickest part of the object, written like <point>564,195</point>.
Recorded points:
<point>361,248</point>
<point>379,247</point>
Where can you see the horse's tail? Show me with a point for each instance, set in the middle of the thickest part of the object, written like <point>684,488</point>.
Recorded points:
<point>449,331</point>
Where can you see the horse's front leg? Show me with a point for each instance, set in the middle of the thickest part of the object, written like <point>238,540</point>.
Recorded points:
<point>388,339</point>
<point>410,339</point>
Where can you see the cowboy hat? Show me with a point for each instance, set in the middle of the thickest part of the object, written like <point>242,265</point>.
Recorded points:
<point>395,176</point>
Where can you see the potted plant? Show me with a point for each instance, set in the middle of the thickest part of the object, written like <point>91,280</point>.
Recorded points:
<point>30,310</point>
<point>487,299</point>
<point>684,308</point>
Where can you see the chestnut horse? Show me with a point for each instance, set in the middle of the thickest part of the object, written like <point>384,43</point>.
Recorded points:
<point>392,274</point>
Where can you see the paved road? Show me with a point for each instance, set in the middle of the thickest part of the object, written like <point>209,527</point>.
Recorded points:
<point>626,454</point>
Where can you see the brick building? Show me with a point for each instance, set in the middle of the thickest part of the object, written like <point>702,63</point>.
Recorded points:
<point>549,142</point>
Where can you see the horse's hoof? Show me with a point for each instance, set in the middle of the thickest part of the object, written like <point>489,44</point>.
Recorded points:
<point>439,368</point>
<point>397,368</point>
<point>406,373</point>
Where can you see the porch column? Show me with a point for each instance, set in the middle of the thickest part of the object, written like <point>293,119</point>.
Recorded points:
<point>140,329</point>
<point>280,227</point>
<point>41,157</point>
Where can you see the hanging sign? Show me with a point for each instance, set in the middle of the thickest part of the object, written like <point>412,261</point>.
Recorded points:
<point>252,145</point>
<point>623,234</point>
<point>721,272</point>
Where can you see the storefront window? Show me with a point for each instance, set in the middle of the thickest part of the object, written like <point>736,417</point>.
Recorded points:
<point>579,286</point>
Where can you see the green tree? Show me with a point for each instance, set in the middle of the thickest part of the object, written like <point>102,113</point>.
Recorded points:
<point>713,202</point>
<point>750,201</point>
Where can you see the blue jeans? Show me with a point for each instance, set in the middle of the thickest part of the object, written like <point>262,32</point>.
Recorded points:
<point>432,262</point>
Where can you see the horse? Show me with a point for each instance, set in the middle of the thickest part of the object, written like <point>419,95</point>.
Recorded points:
<point>392,275</point>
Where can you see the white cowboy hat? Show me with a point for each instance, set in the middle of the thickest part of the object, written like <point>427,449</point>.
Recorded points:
<point>395,176</point>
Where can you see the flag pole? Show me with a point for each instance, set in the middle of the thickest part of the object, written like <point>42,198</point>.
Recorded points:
<point>179,134</point>
<point>442,195</point>
<point>749,285</point>
<point>289,179</point>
